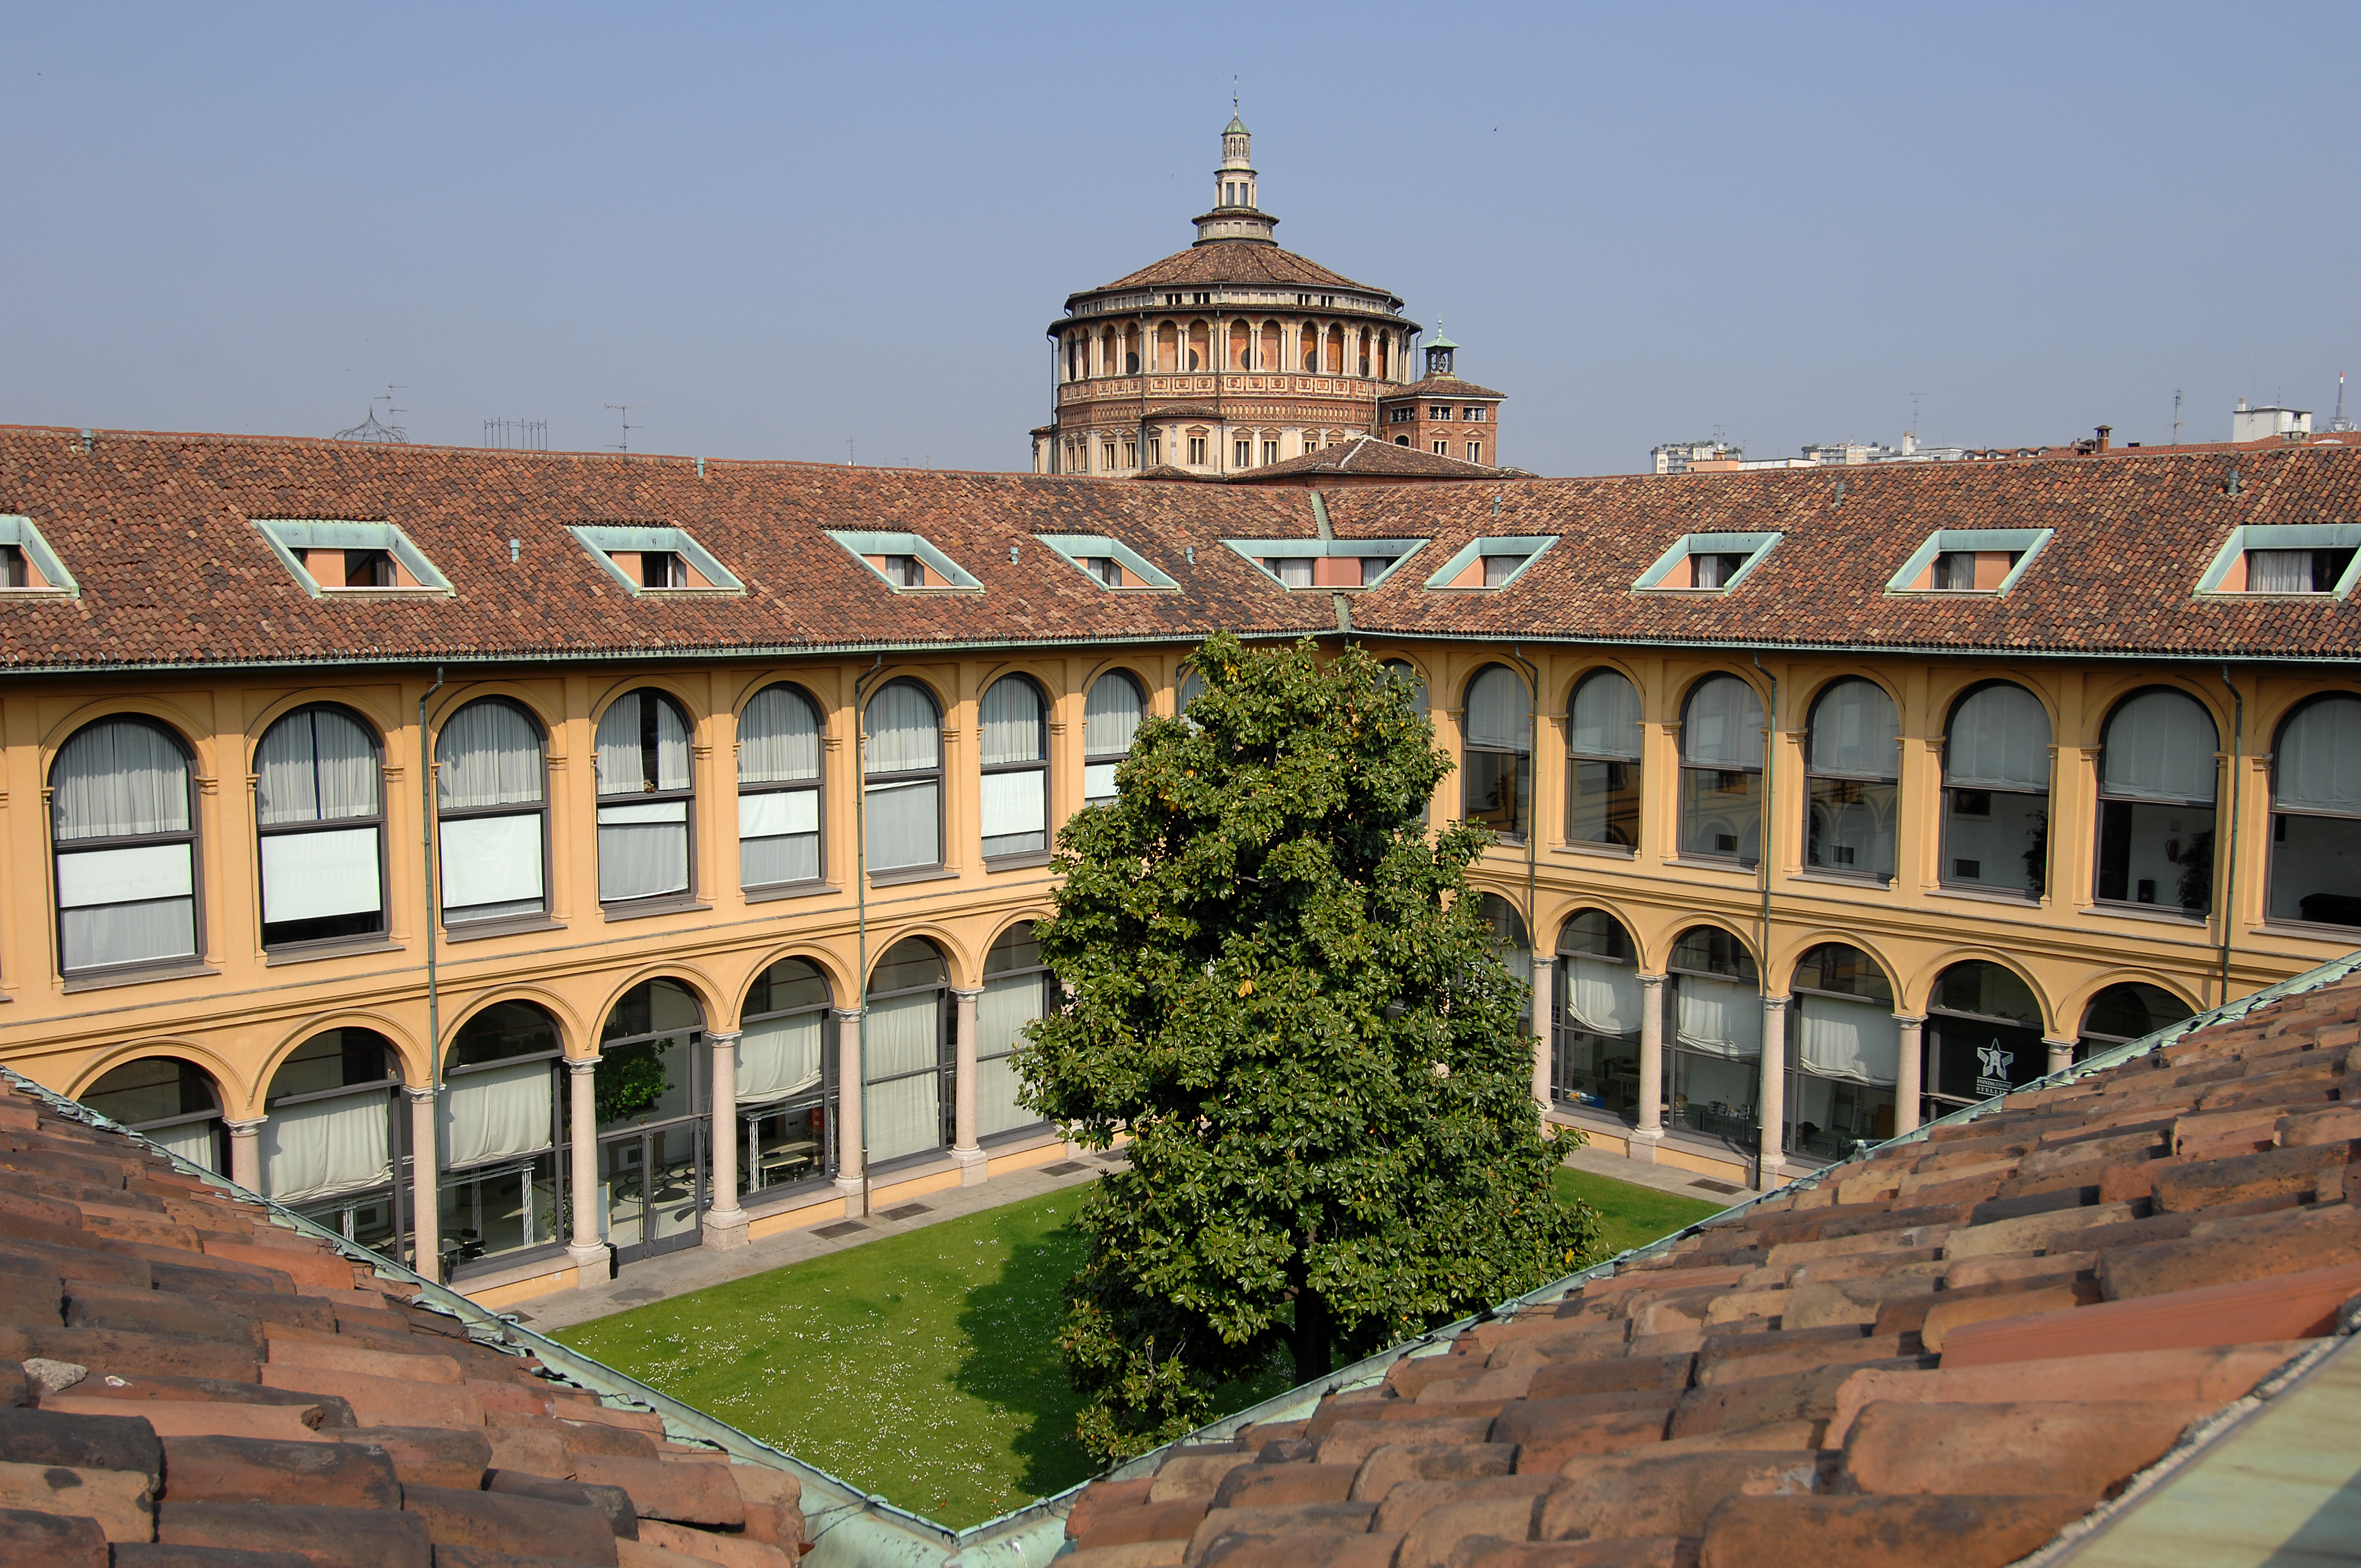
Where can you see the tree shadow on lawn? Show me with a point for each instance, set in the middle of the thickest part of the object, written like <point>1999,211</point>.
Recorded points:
<point>1012,1363</point>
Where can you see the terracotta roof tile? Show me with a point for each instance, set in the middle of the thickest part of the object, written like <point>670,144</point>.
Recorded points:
<point>1232,261</point>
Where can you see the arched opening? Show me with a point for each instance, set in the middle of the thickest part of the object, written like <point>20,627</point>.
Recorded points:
<point>1016,760</point>
<point>779,784</point>
<point>1721,771</point>
<point>1595,1038</point>
<point>491,800</point>
<point>1983,1037</point>
<point>2315,870</point>
<point>1498,754</point>
<point>1510,942</point>
<point>644,794</point>
<point>1602,762</point>
<point>333,1136</point>
<point>1270,352</point>
<point>1853,780</point>
<point>2127,1010</point>
<point>1846,1049</point>
<point>1200,352</point>
<point>175,1102</point>
<point>1112,714</point>
<point>1363,360</point>
<point>125,841</point>
<point>1713,1064</point>
<point>1168,347</point>
<point>907,1111</point>
<point>320,822</point>
<point>1310,337</point>
<point>500,1192</point>
<point>2155,803</point>
<point>652,1095</point>
<point>901,787</point>
<point>786,1086</point>
<point>1017,988</point>
<point>1997,792</point>
<point>1335,351</point>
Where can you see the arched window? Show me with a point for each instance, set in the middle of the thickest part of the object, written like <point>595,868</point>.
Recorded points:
<point>1847,1049</point>
<point>2127,1010</point>
<point>1271,357</point>
<point>1510,942</point>
<point>644,792</point>
<point>322,824</point>
<point>126,843</point>
<point>173,1102</point>
<point>1168,347</point>
<point>1498,757</point>
<point>2315,872</point>
<point>1714,1061</point>
<point>1407,672</point>
<point>1721,771</point>
<point>1111,719</point>
<point>652,1096</point>
<point>778,789</point>
<point>1364,362</point>
<point>1074,356</point>
<point>1335,351</point>
<point>2155,801</point>
<point>911,1062</point>
<point>1192,687</point>
<point>328,1146</point>
<point>1852,770</point>
<point>493,809</point>
<point>1017,988</point>
<point>902,784</point>
<point>1310,338</point>
<point>1602,765</point>
<point>502,1182</point>
<point>1200,350</point>
<point>1015,757</point>
<point>1595,1041</point>
<point>1983,1037</point>
<point>787,1092</point>
<point>1997,792</point>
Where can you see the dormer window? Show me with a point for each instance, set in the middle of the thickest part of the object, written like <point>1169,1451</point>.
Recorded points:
<point>1439,411</point>
<point>904,571</point>
<point>2290,558</point>
<point>335,557</point>
<point>654,558</point>
<point>27,566</point>
<point>1969,561</point>
<point>1327,564</point>
<point>1110,563</point>
<point>370,569</point>
<point>1707,563</point>
<point>1491,563</point>
<point>905,562</point>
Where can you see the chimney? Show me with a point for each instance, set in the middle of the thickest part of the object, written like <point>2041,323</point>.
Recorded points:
<point>2105,431</point>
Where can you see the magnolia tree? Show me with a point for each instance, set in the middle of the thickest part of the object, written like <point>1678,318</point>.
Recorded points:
<point>1280,992</point>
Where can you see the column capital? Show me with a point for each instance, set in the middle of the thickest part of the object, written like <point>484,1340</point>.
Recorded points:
<point>245,1129</point>
<point>965,994</point>
<point>581,1064</point>
<point>1779,1001</point>
<point>724,1037</point>
<point>1907,1019</point>
<point>419,1093</point>
<point>1650,978</point>
<point>848,1014</point>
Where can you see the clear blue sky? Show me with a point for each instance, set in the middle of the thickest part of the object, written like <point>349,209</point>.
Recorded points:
<point>776,228</point>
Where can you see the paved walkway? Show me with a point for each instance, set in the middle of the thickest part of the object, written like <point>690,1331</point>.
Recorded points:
<point>1661,1177</point>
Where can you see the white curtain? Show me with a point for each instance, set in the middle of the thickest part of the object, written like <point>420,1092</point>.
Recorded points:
<point>1722,726</point>
<point>1111,716</point>
<point>2318,764</point>
<point>491,860</point>
<point>1606,719</point>
<point>1720,1017</point>
<point>309,876</point>
<point>119,778</point>
<point>1856,1040</point>
<point>779,1057</point>
<point>903,824</point>
<point>779,837</point>
<point>1855,734</point>
<point>622,762</point>
<point>1192,687</point>
<point>487,754</point>
<point>905,1037</point>
<point>2279,571</point>
<point>642,849</point>
<point>1499,711</point>
<point>496,1113</point>
<point>778,739</point>
<point>1007,1005</point>
<point>128,906</point>
<point>1604,998</point>
<point>1015,804</point>
<point>326,1145</point>
<point>2161,747</point>
<point>1294,571</point>
<point>1098,781</point>
<point>2000,739</point>
<point>192,1141</point>
<point>903,736</point>
<point>314,766</point>
<point>1012,723</point>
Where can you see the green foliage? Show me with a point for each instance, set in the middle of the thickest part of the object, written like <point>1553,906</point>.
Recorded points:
<point>628,1080</point>
<point>1283,993</point>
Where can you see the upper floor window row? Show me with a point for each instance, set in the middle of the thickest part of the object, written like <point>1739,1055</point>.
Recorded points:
<point>2300,558</point>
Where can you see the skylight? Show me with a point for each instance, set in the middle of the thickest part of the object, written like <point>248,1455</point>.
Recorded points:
<point>337,557</point>
<point>1327,564</point>
<point>1491,563</point>
<point>2295,559</point>
<point>27,565</point>
<point>1969,561</point>
<point>1707,563</point>
<point>905,562</point>
<point>1109,563</point>
<point>652,558</point>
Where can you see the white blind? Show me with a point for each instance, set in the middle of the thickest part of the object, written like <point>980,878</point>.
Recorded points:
<point>1012,722</point>
<point>1855,734</point>
<point>497,1113</point>
<point>2319,763</point>
<point>1722,726</point>
<point>1016,803</point>
<point>127,933</point>
<point>1606,719</point>
<point>317,765</point>
<point>903,735</point>
<point>2161,747</point>
<point>623,759</point>
<point>1499,711</point>
<point>1098,781</point>
<point>777,811</point>
<point>491,860</point>
<point>1720,1017</point>
<point>326,1145</point>
<point>1855,1040</point>
<point>487,754</point>
<point>119,778</point>
<point>778,739</point>
<point>642,849</point>
<point>1111,716</point>
<point>1602,997</point>
<point>779,1057</point>
<point>124,876</point>
<point>1999,740</point>
<point>309,876</point>
<point>903,824</point>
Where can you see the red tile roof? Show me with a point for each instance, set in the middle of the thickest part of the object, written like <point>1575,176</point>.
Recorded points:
<point>1367,455</point>
<point>1442,386</point>
<point>1232,261</point>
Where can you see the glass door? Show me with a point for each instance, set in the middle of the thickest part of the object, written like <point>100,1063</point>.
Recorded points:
<point>652,1189</point>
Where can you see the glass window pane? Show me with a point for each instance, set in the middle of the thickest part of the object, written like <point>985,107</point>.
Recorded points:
<point>2160,746</point>
<point>1722,725</point>
<point>778,738</point>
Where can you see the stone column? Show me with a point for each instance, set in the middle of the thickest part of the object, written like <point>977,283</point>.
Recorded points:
<point>847,1108</point>
<point>1909,1081</point>
<point>426,1194</point>
<point>1544,974</point>
<point>1773,1107</point>
<point>1650,1130</point>
<point>964,1148</point>
<point>725,1221</point>
<point>588,1253</point>
<point>2061,1057</point>
<point>246,1153</point>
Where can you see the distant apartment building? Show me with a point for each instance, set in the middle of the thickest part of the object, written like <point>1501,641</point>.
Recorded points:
<point>2267,423</point>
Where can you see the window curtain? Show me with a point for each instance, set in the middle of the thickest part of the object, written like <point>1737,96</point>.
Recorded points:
<point>779,1057</point>
<point>1098,781</point>
<point>905,1037</point>
<point>2000,739</point>
<point>1109,715</point>
<point>1012,723</point>
<point>1722,726</point>
<point>129,906</point>
<point>903,824</point>
<point>497,1113</point>
<point>2279,571</point>
<point>492,861</point>
<point>309,876</point>
<point>1007,1005</point>
<point>642,849</point>
<point>1855,734</point>
<point>2319,759</point>
<point>779,837</point>
<point>314,766</point>
<point>1499,711</point>
<point>2160,746</point>
<point>326,1145</point>
<point>1855,1040</point>
<point>1294,571</point>
<point>623,759</point>
<point>1603,998</point>
<point>119,778</point>
<point>778,739</point>
<point>903,736</point>
<point>1720,1017</point>
<point>192,1141</point>
<point>1192,687</point>
<point>1015,805</point>
<point>1606,719</point>
<point>487,754</point>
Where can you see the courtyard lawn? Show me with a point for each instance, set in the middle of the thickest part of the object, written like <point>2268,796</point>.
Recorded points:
<point>1629,1215</point>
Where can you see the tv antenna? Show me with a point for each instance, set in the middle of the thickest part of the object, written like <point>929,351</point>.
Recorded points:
<point>625,409</point>
<point>2176,416</point>
<point>370,429</point>
<point>848,452</point>
<point>2337,419</point>
<point>1914,415</point>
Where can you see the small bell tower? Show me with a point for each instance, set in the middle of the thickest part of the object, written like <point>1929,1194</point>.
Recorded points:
<point>1238,213</point>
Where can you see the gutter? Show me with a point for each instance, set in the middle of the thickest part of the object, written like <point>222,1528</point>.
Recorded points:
<point>860,913</point>
<point>2229,882</point>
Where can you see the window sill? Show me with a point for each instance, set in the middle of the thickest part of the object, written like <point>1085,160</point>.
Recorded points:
<point>2309,929</point>
<point>484,931</point>
<point>1033,1134</point>
<point>649,909</point>
<point>1700,863</point>
<point>2165,913</point>
<point>328,950</point>
<point>910,1166</point>
<point>901,874</point>
<point>138,976</point>
<point>790,890</point>
<point>1984,894</point>
<point>1600,851</point>
<point>1018,862</point>
<point>1842,879</point>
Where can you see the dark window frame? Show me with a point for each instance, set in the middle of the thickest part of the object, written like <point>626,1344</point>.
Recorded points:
<point>326,825</point>
<point>193,837</point>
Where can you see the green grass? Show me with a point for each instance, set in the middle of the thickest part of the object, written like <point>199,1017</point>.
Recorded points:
<point>1630,1216</point>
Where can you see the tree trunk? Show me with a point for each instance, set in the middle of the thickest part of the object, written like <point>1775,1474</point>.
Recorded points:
<point>1314,1331</point>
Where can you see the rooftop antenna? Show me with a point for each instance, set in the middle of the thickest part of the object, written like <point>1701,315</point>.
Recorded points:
<point>2176,416</point>
<point>392,414</point>
<point>625,409</point>
<point>369,429</point>
<point>848,452</point>
<point>2337,419</point>
<point>1914,413</point>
